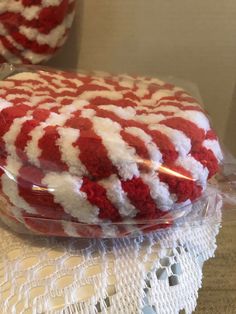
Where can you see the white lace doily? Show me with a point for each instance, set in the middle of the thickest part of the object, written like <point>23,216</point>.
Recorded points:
<point>160,273</point>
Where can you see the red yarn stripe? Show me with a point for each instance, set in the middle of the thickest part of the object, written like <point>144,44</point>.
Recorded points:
<point>96,195</point>
<point>8,115</point>
<point>23,137</point>
<point>50,158</point>
<point>45,226</point>
<point>102,101</point>
<point>2,59</point>
<point>139,195</point>
<point>153,88</point>
<point>88,231</point>
<point>17,91</point>
<point>161,140</point>
<point>27,127</point>
<point>130,95</point>
<point>93,153</point>
<point>28,3</point>
<point>190,129</point>
<point>211,135</point>
<point>140,149</point>
<point>184,187</point>
<point>32,190</point>
<point>207,158</point>
<point>34,46</point>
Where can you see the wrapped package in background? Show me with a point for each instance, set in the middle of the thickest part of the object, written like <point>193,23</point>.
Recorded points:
<point>31,31</point>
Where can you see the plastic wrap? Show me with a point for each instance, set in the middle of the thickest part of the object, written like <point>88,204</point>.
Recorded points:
<point>95,155</point>
<point>31,31</point>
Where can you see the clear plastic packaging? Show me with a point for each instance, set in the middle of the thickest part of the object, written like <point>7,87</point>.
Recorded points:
<point>95,155</point>
<point>32,31</point>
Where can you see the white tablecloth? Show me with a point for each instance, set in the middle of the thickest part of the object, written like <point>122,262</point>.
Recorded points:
<point>160,273</point>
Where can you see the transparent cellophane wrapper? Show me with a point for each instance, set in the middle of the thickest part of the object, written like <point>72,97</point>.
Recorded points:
<point>31,32</point>
<point>142,272</point>
<point>205,207</point>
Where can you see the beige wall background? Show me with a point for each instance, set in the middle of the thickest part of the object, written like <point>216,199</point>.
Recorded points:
<point>191,39</point>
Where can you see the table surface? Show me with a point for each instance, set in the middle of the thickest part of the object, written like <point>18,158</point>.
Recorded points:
<point>218,294</point>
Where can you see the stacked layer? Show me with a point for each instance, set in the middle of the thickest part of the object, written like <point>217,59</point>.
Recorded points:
<point>102,151</point>
<point>31,31</point>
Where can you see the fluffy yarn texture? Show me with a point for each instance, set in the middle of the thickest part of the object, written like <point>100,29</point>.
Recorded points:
<point>79,152</point>
<point>31,31</point>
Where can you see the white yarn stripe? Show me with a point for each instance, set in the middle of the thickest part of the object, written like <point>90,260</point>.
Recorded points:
<point>118,197</point>
<point>124,113</point>
<point>141,92</point>
<point>109,230</point>
<point>5,104</point>
<point>121,155</point>
<point>69,229</point>
<point>14,96</point>
<point>11,6</point>
<point>214,146</point>
<point>32,150</point>
<point>185,103</point>
<point>70,153</point>
<point>35,100</point>
<point>196,117</point>
<point>153,150</point>
<point>88,113</point>
<point>198,172</point>
<point>66,191</point>
<point>55,76</point>
<point>167,108</point>
<point>159,191</point>
<point>10,137</point>
<point>76,105</point>
<point>180,141</point>
<point>161,94</point>
<point>48,3</point>
<point>100,82</point>
<point>166,103</point>
<point>3,30</point>
<point>10,188</point>
<point>25,76</point>
<point>112,95</point>
<point>48,105</point>
<point>5,85</point>
<point>22,89</point>
<point>30,13</point>
<point>35,58</point>
<point>58,79</point>
<point>127,83</point>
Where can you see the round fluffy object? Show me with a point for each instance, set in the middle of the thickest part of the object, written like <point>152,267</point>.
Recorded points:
<point>105,152</point>
<point>31,31</point>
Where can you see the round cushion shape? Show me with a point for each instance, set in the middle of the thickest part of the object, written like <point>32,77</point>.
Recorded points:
<point>102,151</point>
<point>31,31</point>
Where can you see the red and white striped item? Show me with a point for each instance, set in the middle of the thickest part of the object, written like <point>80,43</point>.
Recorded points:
<point>31,31</point>
<point>99,155</point>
